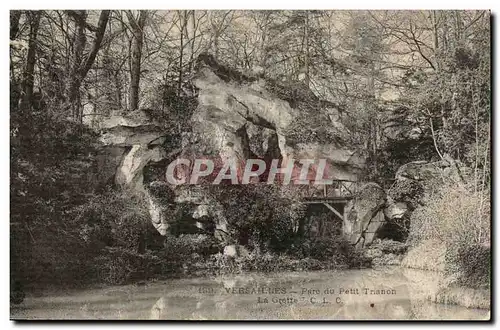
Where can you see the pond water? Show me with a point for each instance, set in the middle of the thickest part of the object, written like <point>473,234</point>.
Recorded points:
<point>368,294</point>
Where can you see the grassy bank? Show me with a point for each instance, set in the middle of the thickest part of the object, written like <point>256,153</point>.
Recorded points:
<point>467,297</point>
<point>426,255</point>
<point>450,234</point>
<point>430,255</point>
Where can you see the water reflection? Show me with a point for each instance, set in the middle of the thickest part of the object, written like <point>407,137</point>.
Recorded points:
<point>355,294</point>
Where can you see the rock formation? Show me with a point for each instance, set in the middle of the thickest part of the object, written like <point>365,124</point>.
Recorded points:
<point>416,178</point>
<point>131,141</point>
<point>240,117</point>
<point>398,124</point>
<point>237,118</point>
<point>230,114</point>
<point>365,214</point>
<point>395,210</point>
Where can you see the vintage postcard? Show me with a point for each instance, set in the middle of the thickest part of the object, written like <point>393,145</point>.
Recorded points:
<point>250,164</point>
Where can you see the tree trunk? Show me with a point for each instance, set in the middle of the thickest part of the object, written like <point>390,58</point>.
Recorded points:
<point>75,78</point>
<point>183,22</point>
<point>15,16</point>
<point>215,35</point>
<point>79,68</point>
<point>374,115</point>
<point>28,77</point>
<point>435,39</point>
<point>306,37</point>
<point>99,35</point>
<point>136,54</point>
<point>263,41</point>
<point>15,93</point>
<point>193,40</point>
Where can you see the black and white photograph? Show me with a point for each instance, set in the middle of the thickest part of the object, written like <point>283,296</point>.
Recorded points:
<point>250,165</point>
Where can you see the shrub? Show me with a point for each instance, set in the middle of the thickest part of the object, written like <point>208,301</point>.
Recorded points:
<point>267,262</point>
<point>389,246</point>
<point>427,255</point>
<point>50,256</point>
<point>52,164</point>
<point>408,191</point>
<point>117,266</point>
<point>187,244</point>
<point>458,221</point>
<point>470,263</point>
<point>453,214</point>
<point>114,218</point>
<point>186,251</point>
<point>334,250</point>
<point>263,216</point>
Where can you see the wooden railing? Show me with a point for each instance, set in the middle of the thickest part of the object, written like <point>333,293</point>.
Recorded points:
<point>338,188</point>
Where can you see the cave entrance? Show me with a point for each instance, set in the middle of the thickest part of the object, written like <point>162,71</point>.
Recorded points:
<point>396,231</point>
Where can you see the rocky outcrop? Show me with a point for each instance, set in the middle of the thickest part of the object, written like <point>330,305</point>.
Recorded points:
<point>445,170</point>
<point>230,112</point>
<point>204,209</point>
<point>414,184</point>
<point>131,140</point>
<point>237,117</point>
<point>395,210</point>
<point>160,201</point>
<point>234,251</point>
<point>398,124</point>
<point>130,170</point>
<point>414,181</point>
<point>365,214</point>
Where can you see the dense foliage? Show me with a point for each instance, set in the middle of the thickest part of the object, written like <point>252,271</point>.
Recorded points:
<point>425,74</point>
<point>460,219</point>
<point>407,85</point>
<point>68,228</point>
<point>263,216</point>
<point>63,220</point>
